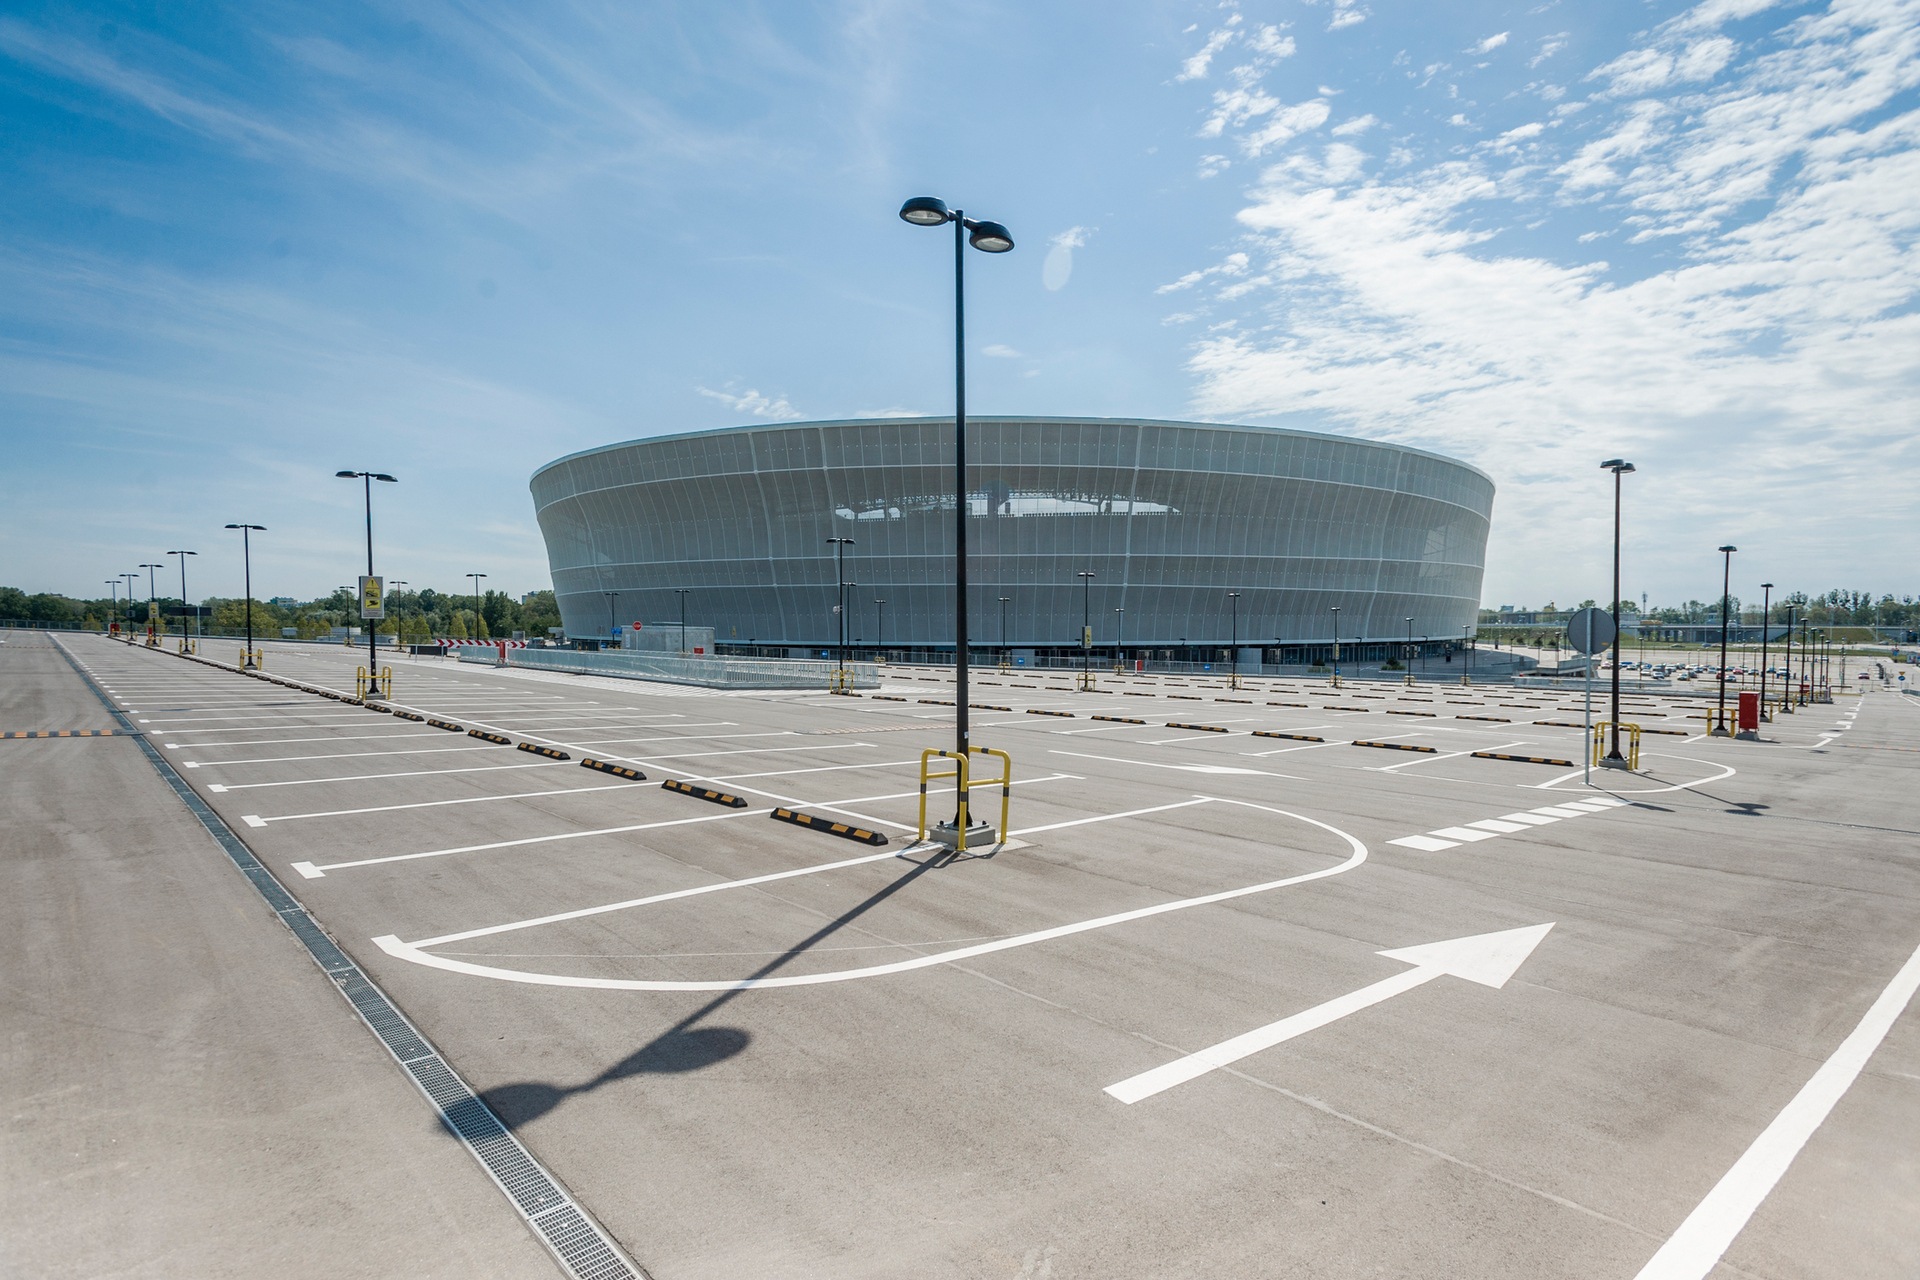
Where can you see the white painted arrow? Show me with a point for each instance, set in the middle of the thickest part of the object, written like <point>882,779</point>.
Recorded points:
<point>1486,958</point>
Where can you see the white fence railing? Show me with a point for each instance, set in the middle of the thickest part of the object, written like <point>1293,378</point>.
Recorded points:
<point>711,673</point>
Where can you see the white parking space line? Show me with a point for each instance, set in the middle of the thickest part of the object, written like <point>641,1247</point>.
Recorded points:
<point>1695,1249</point>
<point>1487,828</point>
<point>825,768</point>
<point>330,737</point>
<point>1449,755</point>
<point>344,755</point>
<point>1181,768</point>
<point>255,820</point>
<point>1109,817</point>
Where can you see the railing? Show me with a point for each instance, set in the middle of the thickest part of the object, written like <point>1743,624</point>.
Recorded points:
<point>964,784</point>
<point>1600,735</point>
<point>711,673</point>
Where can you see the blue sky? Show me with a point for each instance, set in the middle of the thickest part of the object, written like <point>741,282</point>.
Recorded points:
<point>248,246</point>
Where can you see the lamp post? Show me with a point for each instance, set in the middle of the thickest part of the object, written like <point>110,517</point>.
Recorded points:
<point>1619,467</point>
<point>114,585</point>
<point>1086,627</point>
<point>246,561</point>
<point>682,593</point>
<point>151,596</point>
<point>132,578</point>
<point>988,237</point>
<point>1119,654</point>
<point>1786,702</point>
<point>880,625</point>
<point>1766,616</point>
<point>1726,599</point>
<point>183,592</point>
<point>613,614</point>
<point>1409,650</point>
<point>1233,643</point>
<point>1335,609</point>
<point>1006,654</point>
<point>477,620</point>
<point>840,546</point>
<point>368,477</point>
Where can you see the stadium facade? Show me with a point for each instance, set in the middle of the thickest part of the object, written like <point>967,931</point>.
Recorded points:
<point>1169,516</point>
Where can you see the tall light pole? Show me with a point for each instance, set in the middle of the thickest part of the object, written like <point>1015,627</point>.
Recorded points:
<point>1119,654</point>
<point>988,237</point>
<point>840,546</point>
<point>880,625</point>
<point>114,584</point>
<point>151,595</point>
<point>1006,654</point>
<point>1619,468</point>
<point>1726,599</point>
<point>1335,609</point>
<point>476,603</point>
<point>1086,627</point>
<point>1233,643</point>
<point>1786,703</point>
<point>1409,650</point>
<point>246,561</point>
<point>368,477</point>
<point>682,593</point>
<point>613,605</point>
<point>132,579</point>
<point>1766,616</point>
<point>183,592</point>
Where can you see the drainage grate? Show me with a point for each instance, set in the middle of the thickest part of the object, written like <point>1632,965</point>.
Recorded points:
<point>582,1248</point>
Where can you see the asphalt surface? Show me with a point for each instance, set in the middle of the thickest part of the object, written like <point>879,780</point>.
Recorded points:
<point>184,1093</point>
<point>887,1062</point>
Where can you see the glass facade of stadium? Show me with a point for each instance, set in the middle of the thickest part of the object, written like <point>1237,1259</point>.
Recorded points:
<point>1169,516</point>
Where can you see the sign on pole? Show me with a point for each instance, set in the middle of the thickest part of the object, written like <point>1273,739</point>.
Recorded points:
<point>1590,630</point>
<point>372,598</point>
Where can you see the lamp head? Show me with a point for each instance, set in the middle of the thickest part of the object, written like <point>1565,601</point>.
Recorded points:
<point>925,211</point>
<point>381,475</point>
<point>1729,550</point>
<point>347,475</point>
<point>989,237</point>
<point>1767,586</point>
<point>1619,466</point>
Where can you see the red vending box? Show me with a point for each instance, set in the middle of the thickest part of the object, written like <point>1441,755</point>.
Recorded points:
<point>1749,712</point>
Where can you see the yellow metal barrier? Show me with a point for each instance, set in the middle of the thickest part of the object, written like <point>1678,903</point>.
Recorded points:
<point>258,659</point>
<point>1600,736</point>
<point>381,686</point>
<point>1087,682</point>
<point>964,783</point>
<point>840,680</point>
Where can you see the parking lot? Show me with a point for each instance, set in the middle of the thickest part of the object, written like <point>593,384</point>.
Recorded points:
<point>1190,1019</point>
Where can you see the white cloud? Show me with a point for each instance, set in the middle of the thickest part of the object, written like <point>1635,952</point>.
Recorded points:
<point>1285,124</point>
<point>1213,166</point>
<point>1491,43</point>
<point>1549,45</point>
<point>1195,67</point>
<point>1357,125</point>
<point>1234,264</point>
<point>1774,352</point>
<point>1346,13</point>
<point>889,413</point>
<point>780,409</point>
<point>1000,351</point>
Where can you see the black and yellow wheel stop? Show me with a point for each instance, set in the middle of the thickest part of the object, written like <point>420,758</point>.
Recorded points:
<point>831,827</point>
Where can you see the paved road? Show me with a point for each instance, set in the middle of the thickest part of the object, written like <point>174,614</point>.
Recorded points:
<point>185,1096</point>
<point>752,1049</point>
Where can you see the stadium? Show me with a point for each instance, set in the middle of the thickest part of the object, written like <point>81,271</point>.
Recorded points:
<point>1169,517</point>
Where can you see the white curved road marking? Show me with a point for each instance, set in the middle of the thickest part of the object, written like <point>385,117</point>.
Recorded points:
<point>416,953</point>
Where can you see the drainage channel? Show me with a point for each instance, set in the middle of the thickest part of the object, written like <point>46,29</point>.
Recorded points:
<point>583,1249</point>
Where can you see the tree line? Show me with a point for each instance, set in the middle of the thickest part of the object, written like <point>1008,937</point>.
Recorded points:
<point>412,616</point>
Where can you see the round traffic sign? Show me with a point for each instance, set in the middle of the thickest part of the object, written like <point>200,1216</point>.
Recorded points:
<point>1590,630</point>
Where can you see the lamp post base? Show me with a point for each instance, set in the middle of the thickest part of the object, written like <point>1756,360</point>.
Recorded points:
<point>980,835</point>
<point>1615,762</point>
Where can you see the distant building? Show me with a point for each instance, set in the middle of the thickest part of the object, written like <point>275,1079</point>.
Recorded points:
<point>285,602</point>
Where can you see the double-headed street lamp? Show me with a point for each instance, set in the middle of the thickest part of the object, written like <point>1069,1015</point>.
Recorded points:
<point>682,593</point>
<point>373,659</point>
<point>151,596</point>
<point>1766,617</point>
<point>113,584</point>
<point>1335,609</point>
<point>183,593</point>
<point>1119,653</point>
<point>840,546</point>
<point>477,620</point>
<point>246,560</point>
<point>988,237</point>
<point>1726,600</point>
<point>399,621</point>
<point>131,578</point>
<point>1619,467</point>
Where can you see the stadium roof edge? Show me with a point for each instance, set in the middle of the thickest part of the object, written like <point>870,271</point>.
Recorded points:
<point>1016,417</point>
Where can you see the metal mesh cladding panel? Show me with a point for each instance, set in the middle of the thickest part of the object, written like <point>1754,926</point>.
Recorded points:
<point>1169,516</point>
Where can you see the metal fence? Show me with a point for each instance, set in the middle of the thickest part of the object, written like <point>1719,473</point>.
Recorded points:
<point>710,673</point>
